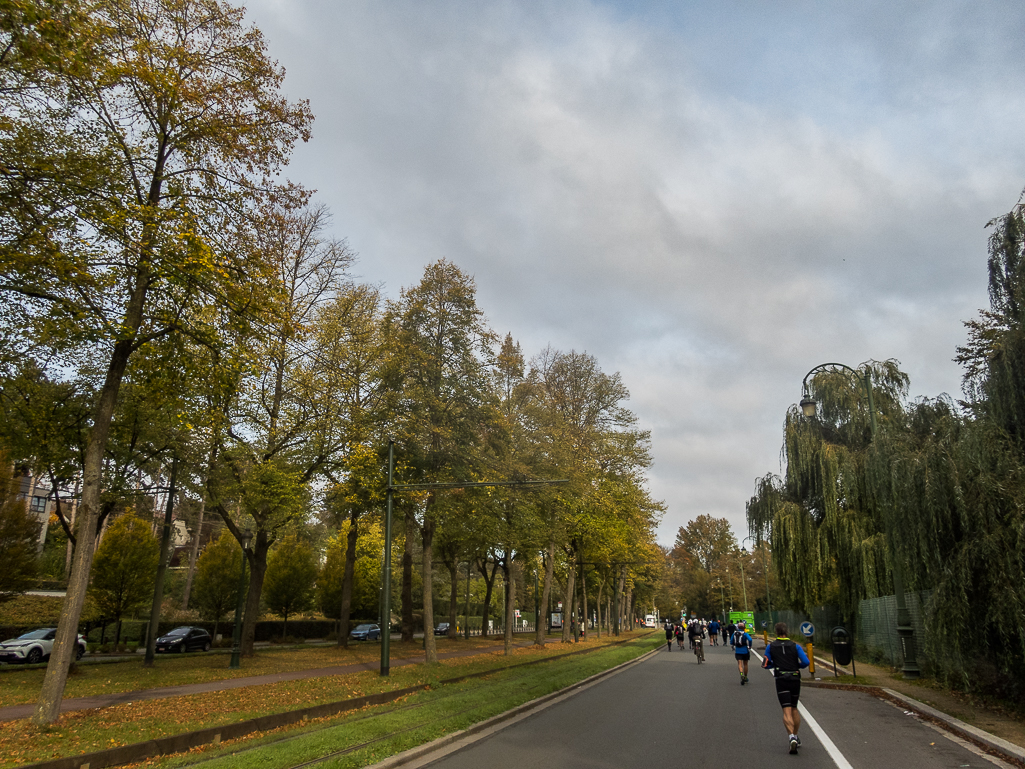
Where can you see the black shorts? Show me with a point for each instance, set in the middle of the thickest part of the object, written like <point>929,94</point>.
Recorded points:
<point>788,690</point>
<point>742,656</point>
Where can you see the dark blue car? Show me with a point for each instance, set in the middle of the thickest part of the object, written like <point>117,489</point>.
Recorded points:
<point>366,633</point>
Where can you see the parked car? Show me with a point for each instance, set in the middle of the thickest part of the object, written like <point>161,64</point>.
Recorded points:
<point>185,639</point>
<point>34,647</point>
<point>366,633</point>
<point>441,629</point>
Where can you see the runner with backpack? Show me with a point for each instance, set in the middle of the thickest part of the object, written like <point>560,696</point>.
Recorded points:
<point>741,643</point>
<point>669,635</point>
<point>786,658</point>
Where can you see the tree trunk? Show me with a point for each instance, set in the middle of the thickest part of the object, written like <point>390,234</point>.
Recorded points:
<point>510,602</point>
<point>427,533</point>
<point>453,599</point>
<point>347,579</point>
<point>541,629</point>
<point>567,604</point>
<point>194,554</point>
<point>489,584</point>
<point>583,600</point>
<point>620,583</point>
<point>597,609</point>
<point>64,647</point>
<point>158,587</point>
<point>257,557</point>
<point>630,610</point>
<point>117,634</point>
<point>407,578</point>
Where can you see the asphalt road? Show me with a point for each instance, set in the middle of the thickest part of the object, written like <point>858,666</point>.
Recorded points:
<point>670,709</point>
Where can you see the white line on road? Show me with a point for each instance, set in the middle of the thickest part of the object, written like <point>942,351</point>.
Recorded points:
<point>831,749</point>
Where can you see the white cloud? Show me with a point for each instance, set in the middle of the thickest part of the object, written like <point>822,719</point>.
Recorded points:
<point>710,215</point>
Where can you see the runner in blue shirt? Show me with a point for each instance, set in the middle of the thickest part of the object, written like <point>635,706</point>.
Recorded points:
<point>741,643</point>
<point>713,632</point>
<point>786,658</point>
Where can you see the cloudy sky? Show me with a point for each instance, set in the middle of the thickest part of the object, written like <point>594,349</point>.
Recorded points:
<point>710,197</point>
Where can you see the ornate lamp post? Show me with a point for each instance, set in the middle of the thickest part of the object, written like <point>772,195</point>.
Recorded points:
<point>809,407</point>
<point>236,636</point>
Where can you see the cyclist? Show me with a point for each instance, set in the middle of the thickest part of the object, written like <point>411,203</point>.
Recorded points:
<point>741,643</point>
<point>786,658</point>
<point>696,632</point>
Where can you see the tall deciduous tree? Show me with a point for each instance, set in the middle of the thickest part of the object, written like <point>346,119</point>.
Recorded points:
<point>283,428</point>
<point>443,351</point>
<point>351,370</point>
<point>153,153</point>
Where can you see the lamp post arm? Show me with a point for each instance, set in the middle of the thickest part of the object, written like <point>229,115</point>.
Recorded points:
<point>820,367</point>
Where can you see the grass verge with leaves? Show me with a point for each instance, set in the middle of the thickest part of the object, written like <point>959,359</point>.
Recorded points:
<point>86,731</point>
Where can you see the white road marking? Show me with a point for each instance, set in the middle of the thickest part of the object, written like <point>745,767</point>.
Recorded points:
<point>831,749</point>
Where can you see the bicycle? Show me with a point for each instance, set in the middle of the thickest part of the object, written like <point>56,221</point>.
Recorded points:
<point>699,649</point>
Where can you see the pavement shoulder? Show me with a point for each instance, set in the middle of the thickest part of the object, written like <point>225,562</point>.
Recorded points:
<point>972,732</point>
<point>425,754</point>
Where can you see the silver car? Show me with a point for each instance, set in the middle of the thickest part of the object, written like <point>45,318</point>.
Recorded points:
<point>35,646</point>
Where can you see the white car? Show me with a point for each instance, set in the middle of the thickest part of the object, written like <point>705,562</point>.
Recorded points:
<point>34,647</point>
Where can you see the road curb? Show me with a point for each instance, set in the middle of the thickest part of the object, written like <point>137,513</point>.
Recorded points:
<point>450,743</point>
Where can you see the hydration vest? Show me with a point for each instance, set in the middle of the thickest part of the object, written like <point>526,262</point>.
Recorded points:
<point>785,661</point>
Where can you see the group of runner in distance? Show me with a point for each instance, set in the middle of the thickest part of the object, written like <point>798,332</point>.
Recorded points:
<point>784,657</point>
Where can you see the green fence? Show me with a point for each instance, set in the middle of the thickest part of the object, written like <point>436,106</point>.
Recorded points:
<point>874,627</point>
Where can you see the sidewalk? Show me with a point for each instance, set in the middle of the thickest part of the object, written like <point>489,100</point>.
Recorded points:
<point>15,712</point>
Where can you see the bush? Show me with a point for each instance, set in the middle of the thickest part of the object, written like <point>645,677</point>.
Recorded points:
<point>104,648</point>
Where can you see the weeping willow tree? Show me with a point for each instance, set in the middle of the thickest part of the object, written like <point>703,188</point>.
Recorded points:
<point>952,498</point>
<point>823,517</point>
<point>957,488</point>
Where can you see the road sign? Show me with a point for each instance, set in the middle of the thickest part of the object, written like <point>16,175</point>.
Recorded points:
<point>807,629</point>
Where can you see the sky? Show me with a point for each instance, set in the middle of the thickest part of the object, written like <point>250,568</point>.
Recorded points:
<point>709,197</point>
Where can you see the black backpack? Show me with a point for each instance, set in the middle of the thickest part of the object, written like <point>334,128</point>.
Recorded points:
<point>740,639</point>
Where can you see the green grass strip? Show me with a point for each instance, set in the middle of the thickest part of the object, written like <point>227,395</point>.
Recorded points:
<point>366,738</point>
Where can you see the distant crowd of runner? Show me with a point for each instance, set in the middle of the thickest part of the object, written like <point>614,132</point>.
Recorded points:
<point>784,657</point>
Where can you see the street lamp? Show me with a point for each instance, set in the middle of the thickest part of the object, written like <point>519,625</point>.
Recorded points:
<point>904,628</point>
<point>743,579</point>
<point>236,636</point>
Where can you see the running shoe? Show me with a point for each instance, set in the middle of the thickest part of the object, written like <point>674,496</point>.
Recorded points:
<point>794,744</point>
<point>743,679</point>
<point>798,741</point>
